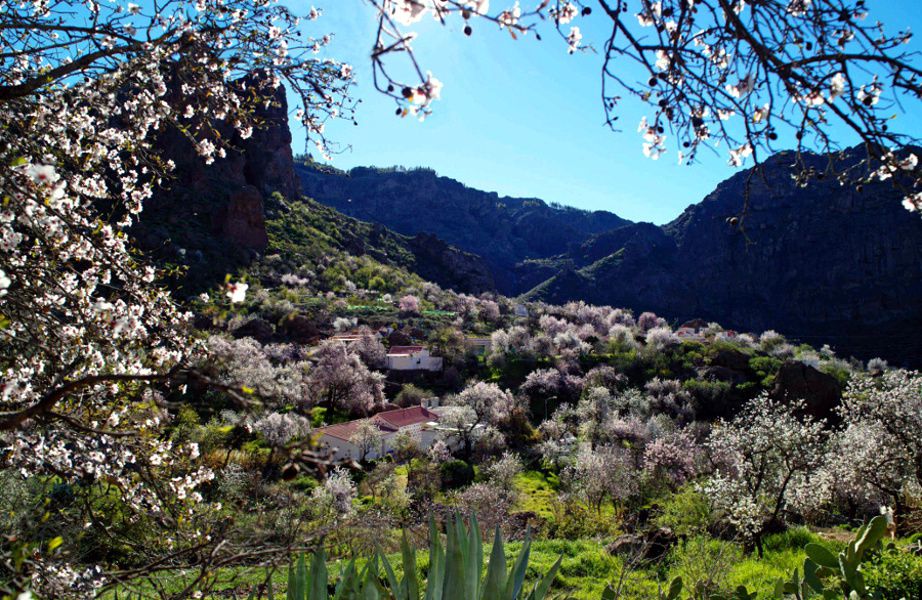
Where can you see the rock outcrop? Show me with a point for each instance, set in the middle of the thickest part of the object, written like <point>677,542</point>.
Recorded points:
<point>242,221</point>
<point>449,267</point>
<point>796,381</point>
<point>212,217</point>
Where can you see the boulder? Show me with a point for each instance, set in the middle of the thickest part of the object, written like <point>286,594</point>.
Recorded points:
<point>258,329</point>
<point>730,359</point>
<point>798,381</point>
<point>648,545</point>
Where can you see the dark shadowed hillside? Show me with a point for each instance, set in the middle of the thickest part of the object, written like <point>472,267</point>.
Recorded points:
<point>824,264</point>
<point>503,230</point>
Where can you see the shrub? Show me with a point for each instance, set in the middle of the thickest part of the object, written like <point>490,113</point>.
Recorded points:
<point>456,474</point>
<point>687,512</point>
<point>895,574</point>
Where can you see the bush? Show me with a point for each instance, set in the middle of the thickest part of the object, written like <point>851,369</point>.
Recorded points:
<point>704,564</point>
<point>573,521</point>
<point>410,395</point>
<point>456,474</point>
<point>895,574</point>
<point>687,512</point>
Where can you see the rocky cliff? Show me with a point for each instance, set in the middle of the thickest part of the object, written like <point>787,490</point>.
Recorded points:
<point>822,264</point>
<point>213,218</point>
<point>503,230</point>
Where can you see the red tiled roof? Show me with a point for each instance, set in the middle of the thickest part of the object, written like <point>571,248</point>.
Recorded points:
<point>405,349</point>
<point>388,421</point>
<point>346,430</point>
<point>403,417</point>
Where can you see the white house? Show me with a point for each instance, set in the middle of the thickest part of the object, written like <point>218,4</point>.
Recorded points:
<point>412,358</point>
<point>520,310</point>
<point>418,421</point>
<point>729,334</point>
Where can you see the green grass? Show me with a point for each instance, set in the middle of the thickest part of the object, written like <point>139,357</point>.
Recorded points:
<point>587,568</point>
<point>537,493</point>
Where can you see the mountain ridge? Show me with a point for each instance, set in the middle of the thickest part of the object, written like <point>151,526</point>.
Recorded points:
<point>824,263</point>
<point>503,230</point>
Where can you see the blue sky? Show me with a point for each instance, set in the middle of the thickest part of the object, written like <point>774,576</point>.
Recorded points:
<point>524,118</point>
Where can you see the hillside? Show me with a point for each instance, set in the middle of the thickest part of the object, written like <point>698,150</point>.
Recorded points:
<point>822,264</point>
<point>213,220</point>
<point>503,230</point>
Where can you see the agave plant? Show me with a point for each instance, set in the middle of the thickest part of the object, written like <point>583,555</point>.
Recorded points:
<point>454,572</point>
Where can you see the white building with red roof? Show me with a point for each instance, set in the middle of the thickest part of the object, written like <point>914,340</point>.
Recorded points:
<point>417,421</point>
<point>412,358</point>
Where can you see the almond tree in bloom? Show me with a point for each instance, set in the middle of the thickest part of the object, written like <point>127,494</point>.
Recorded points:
<point>85,88</point>
<point>876,458</point>
<point>409,304</point>
<point>765,461</point>
<point>742,79</point>
<point>341,379</point>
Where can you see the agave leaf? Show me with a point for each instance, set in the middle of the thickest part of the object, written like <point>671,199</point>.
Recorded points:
<point>474,558</point>
<point>392,582</point>
<point>453,585</point>
<point>318,576</point>
<point>436,563</point>
<point>348,584</point>
<point>408,553</point>
<point>495,581</point>
<point>542,587</point>
<point>517,575</point>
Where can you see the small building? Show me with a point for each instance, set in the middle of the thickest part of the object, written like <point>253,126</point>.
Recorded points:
<point>346,338</point>
<point>478,346</point>
<point>412,358</point>
<point>350,337</point>
<point>727,335</point>
<point>693,330</point>
<point>417,421</point>
<point>520,310</point>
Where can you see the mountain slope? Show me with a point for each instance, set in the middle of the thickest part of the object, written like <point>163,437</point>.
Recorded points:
<point>215,219</point>
<point>502,230</point>
<point>824,264</point>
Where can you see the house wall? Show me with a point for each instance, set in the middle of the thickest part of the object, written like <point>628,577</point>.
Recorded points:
<point>424,435</point>
<point>414,362</point>
<point>342,449</point>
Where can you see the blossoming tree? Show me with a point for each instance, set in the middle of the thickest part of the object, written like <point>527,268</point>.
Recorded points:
<point>85,88</point>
